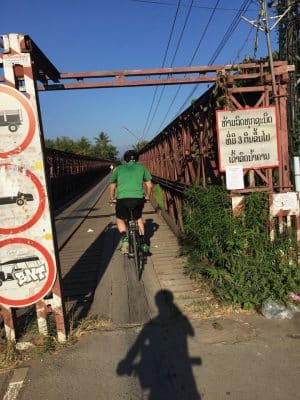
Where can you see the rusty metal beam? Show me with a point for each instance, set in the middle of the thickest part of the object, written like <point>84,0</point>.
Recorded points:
<point>44,68</point>
<point>120,77</point>
<point>166,71</point>
<point>238,72</point>
<point>127,83</point>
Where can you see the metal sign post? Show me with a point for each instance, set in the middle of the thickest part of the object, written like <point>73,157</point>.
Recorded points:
<point>29,268</point>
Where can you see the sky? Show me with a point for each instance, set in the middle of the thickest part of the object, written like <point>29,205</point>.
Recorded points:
<point>97,35</point>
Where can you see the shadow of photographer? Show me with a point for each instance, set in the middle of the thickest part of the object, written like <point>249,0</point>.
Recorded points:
<point>159,357</point>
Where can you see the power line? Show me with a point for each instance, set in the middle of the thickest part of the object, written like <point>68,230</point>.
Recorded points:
<point>172,62</point>
<point>195,5</point>
<point>193,57</point>
<point>243,45</point>
<point>232,27</point>
<point>230,30</point>
<point>163,63</point>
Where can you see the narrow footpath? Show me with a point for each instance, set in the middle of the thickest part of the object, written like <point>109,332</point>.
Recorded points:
<point>150,349</point>
<point>96,274</point>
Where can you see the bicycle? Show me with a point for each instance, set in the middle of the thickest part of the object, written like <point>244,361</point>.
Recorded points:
<point>135,244</point>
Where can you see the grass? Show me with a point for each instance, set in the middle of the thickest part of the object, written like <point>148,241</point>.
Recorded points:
<point>37,345</point>
<point>10,357</point>
<point>207,305</point>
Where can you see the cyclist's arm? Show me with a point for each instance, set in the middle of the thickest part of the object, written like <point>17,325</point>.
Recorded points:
<point>112,191</point>
<point>148,187</point>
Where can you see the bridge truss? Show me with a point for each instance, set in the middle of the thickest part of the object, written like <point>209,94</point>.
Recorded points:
<point>185,152</point>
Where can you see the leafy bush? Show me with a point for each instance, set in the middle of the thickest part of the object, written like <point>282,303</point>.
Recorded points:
<point>159,196</point>
<point>235,253</point>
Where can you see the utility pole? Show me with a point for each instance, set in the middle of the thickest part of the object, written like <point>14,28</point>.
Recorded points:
<point>289,47</point>
<point>263,25</point>
<point>267,30</point>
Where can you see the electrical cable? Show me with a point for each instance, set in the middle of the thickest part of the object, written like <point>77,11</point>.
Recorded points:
<point>195,5</point>
<point>172,63</point>
<point>163,63</point>
<point>192,59</point>
<point>232,27</point>
<point>243,45</point>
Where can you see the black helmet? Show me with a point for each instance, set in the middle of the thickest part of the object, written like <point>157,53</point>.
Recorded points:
<point>131,155</point>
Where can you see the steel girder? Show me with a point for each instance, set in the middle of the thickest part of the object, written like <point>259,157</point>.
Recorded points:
<point>185,152</point>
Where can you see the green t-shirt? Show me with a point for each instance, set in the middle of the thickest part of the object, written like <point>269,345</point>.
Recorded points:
<point>129,178</point>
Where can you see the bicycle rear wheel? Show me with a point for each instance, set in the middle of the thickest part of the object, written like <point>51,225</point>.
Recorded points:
<point>136,252</point>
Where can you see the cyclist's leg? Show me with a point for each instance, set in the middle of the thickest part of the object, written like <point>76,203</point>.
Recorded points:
<point>140,223</point>
<point>121,225</point>
<point>121,216</point>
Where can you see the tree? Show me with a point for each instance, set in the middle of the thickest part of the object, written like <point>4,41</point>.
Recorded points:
<point>140,144</point>
<point>83,146</point>
<point>64,143</point>
<point>103,147</point>
<point>50,143</point>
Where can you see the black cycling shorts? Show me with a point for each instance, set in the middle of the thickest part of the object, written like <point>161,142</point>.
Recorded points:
<point>123,206</point>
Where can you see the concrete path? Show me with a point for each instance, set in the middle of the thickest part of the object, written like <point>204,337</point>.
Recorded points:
<point>175,359</point>
<point>151,350</point>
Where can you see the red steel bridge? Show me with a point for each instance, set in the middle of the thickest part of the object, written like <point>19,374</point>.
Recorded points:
<point>185,152</point>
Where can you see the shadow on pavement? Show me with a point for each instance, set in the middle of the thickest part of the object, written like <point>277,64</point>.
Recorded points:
<point>150,228</point>
<point>80,283</point>
<point>159,357</point>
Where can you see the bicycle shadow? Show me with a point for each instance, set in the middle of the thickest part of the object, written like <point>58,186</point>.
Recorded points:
<point>159,357</point>
<point>150,228</point>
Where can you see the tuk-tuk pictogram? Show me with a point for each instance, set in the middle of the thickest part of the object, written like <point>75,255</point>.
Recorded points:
<point>19,199</point>
<point>24,270</point>
<point>11,118</point>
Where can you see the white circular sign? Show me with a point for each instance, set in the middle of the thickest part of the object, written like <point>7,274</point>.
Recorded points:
<point>27,272</point>
<point>17,121</point>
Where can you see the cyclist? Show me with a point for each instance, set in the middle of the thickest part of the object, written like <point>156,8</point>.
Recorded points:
<point>127,191</point>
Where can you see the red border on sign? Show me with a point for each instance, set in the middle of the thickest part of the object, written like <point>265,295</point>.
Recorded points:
<point>51,273</point>
<point>40,209</point>
<point>277,138</point>
<point>31,117</point>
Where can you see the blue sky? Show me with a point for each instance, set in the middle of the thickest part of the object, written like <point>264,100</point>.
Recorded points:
<point>100,35</point>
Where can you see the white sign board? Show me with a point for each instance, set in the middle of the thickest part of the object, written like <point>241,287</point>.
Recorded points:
<point>285,202</point>
<point>27,256</point>
<point>234,177</point>
<point>247,137</point>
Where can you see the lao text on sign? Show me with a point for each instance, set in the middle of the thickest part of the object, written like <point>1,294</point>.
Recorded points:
<point>247,137</point>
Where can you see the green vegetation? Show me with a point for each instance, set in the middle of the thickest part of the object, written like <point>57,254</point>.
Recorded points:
<point>140,144</point>
<point>158,196</point>
<point>235,253</point>
<point>102,147</point>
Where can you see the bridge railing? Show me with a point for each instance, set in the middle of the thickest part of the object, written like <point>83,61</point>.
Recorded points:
<point>186,152</point>
<point>71,174</point>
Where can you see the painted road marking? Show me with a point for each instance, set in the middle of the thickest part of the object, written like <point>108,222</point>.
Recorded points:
<point>15,384</point>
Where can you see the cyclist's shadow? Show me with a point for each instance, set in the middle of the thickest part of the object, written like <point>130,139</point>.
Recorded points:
<point>159,357</point>
<point>150,228</point>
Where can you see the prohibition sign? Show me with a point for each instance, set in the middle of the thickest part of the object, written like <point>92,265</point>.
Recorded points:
<point>40,209</point>
<point>50,279</point>
<point>21,99</point>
